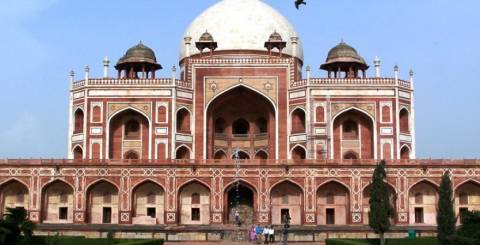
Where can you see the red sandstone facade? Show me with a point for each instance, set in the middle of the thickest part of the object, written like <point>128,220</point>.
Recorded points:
<point>147,150</point>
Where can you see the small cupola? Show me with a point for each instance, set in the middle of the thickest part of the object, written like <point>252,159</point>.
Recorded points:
<point>138,62</point>
<point>206,41</point>
<point>343,61</point>
<point>275,41</point>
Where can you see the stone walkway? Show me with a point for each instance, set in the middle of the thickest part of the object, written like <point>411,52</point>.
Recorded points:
<point>236,243</point>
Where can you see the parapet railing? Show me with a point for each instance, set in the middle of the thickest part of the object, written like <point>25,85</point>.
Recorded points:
<point>129,82</point>
<point>232,163</point>
<point>352,81</point>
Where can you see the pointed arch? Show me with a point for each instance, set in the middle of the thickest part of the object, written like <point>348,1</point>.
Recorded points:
<point>57,202</point>
<point>405,152</point>
<point>183,152</point>
<point>148,202</point>
<point>79,120</point>
<point>243,155</point>
<point>77,152</point>
<point>261,155</point>
<point>190,212</point>
<point>148,140</point>
<point>14,193</point>
<point>103,202</point>
<point>269,107</point>
<point>194,180</point>
<point>404,117</point>
<point>244,86</point>
<point>298,152</point>
<point>473,181</point>
<point>298,120</point>
<point>286,199</point>
<point>368,130</point>
<point>333,203</point>
<point>220,155</point>
<point>240,196</point>
<point>184,118</point>
<point>422,200</point>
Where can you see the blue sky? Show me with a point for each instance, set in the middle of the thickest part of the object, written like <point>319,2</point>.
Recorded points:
<point>42,40</point>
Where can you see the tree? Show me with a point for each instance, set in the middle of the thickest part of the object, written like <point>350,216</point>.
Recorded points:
<point>380,208</point>
<point>445,214</point>
<point>469,232</point>
<point>15,228</point>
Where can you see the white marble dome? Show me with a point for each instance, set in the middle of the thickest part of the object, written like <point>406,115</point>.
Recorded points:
<point>241,25</point>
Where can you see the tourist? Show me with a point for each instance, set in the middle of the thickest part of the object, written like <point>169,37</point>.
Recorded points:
<point>258,234</point>
<point>265,234</point>
<point>252,233</point>
<point>271,234</point>
<point>237,218</point>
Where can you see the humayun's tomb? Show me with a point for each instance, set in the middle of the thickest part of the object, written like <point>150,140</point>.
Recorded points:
<point>155,154</point>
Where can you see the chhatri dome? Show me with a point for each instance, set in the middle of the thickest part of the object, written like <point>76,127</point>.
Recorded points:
<point>241,25</point>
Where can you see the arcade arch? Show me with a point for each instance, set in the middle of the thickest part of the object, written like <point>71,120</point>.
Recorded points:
<point>13,194</point>
<point>333,203</point>
<point>128,132</point>
<point>422,201</point>
<point>240,197</point>
<point>232,124</point>
<point>353,135</point>
<point>194,204</point>
<point>286,198</point>
<point>57,203</point>
<point>103,203</point>
<point>148,203</point>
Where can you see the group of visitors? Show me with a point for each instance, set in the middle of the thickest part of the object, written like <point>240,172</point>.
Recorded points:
<point>257,234</point>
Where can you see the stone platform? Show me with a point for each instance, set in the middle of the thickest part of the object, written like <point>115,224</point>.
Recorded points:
<point>225,233</point>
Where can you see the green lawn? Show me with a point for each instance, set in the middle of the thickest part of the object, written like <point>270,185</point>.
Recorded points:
<point>406,241</point>
<point>85,241</point>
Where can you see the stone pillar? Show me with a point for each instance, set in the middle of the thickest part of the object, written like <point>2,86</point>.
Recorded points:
<point>171,209</point>
<point>216,201</point>
<point>125,213</point>
<point>310,198</point>
<point>80,199</point>
<point>402,198</point>
<point>35,200</point>
<point>263,214</point>
<point>355,198</point>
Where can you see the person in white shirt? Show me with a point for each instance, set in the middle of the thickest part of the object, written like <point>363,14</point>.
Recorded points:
<point>265,234</point>
<point>271,234</point>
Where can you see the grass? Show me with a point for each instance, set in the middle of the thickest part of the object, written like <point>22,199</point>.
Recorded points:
<point>54,240</point>
<point>405,241</point>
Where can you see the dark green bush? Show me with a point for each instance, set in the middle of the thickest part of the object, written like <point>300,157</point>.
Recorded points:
<point>405,241</point>
<point>85,241</point>
<point>353,242</point>
<point>145,242</point>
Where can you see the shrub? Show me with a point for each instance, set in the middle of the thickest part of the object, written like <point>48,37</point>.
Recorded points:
<point>404,241</point>
<point>144,242</point>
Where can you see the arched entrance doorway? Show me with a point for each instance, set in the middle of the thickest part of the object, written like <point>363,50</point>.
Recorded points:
<point>194,204</point>
<point>129,136</point>
<point>57,203</point>
<point>103,204</point>
<point>333,203</point>
<point>148,203</point>
<point>467,198</point>
<point>353,135</point>
<point>286,199</point>
<point>240,119</point>
<point>240,197</point>
<point>422,199</point>
<point>13,194</point>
